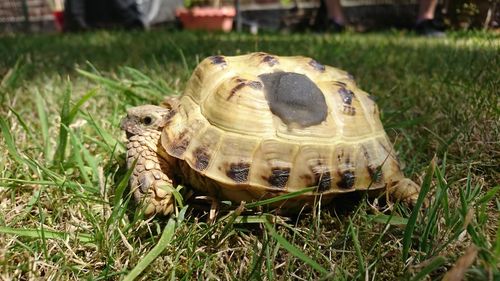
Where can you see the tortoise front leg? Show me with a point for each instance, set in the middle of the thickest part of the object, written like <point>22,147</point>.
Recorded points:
<point>149,181</point>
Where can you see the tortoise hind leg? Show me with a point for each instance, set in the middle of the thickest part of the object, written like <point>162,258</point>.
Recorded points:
<point>405,190</point>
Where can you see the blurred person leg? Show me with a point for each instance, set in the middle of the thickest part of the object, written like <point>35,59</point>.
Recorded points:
<point>426,25</point>
<point>336,19</point>
<point>128,13</point>
<point>74,15</point>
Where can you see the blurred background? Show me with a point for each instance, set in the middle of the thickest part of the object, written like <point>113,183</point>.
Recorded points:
<point>246,15</point>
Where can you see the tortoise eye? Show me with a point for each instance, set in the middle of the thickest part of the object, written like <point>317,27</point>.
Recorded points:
<point>147,120</point>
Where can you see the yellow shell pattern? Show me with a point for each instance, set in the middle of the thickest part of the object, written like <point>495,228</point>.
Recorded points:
<point>226,132</point>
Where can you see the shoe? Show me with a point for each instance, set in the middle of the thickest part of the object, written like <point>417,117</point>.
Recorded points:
<point>429,28</point>
<point>335,27</point>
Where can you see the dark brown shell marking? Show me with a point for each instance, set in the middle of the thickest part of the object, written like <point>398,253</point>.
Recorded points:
<point>347,179</point>
<point>347,97</point>
<point>270,60</point>
<point>238,172</point>
<point>322,177</point>
<point>375,173</point>
<point>218,60</point>
<point>279,177</point>
<point>202,158</point>
<point>316,65</point>
<point>340,84</point>
<point>323,181</point>
<point>179,145</point>
<point>242,83</point>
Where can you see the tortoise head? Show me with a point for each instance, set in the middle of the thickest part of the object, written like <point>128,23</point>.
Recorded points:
<point>145,118</point>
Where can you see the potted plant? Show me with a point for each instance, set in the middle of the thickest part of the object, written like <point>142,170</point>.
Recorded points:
<point>206,15</point>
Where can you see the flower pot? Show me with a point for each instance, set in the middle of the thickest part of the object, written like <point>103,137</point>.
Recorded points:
<point>207,18</point>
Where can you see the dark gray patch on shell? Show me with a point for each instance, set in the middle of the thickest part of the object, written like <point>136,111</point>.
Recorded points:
<point>294,98</point>
<point>238,172</point>
<point>202,158</point>
<point>279,177</point>
<point>347,179</point>
<point>316,65</point>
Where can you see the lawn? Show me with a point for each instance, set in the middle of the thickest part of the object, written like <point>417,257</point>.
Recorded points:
<point>65,212</point>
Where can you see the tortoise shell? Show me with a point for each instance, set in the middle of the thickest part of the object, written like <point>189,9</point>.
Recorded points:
<point>253,126</point>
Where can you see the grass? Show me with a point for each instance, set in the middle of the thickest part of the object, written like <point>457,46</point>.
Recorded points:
<point>65,212</point>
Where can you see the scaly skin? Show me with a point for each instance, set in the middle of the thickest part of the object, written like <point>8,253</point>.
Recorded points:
<point>406,191</point>
<point>148,182</point>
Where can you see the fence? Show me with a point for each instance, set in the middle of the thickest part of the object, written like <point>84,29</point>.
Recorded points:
<point>25,15</point>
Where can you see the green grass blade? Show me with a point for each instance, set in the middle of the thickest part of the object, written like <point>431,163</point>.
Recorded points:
<point>159,90</point>
<point>74,110</point>
<point>29,206</point>
<point>11,147</point>
<point>9,142</point>
<point>433,214</point>
<point>44,124</point>
<point>118,210</point>
<point>433,265</point>
<point>11,79</point>
<point>230,219</point>
<point>68,115</point>
<point>63,132</point>
<point>22,123</point>
<point>77,148</point>
<point>357,248</point>
<point>110,142</point>
<point>176,193</point>
<point>490,194</point>
<point>49,234</point>
<point>252,219</point>
<point>280,198</point>
<point>294,250</point>
<point>496,245</point>
<point>165,239</point>
<point>410,226</point>
<point>388,219</point>
<point>111,84</point>
<point>103,81</point>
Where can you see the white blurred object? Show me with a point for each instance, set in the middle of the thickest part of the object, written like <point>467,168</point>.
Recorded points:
<point>158,11</point>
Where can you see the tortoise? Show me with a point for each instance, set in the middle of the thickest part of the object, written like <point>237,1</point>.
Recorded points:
<point>257,126</point>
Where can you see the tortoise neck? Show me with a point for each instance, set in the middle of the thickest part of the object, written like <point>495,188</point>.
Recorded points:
<point>144,145</point>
